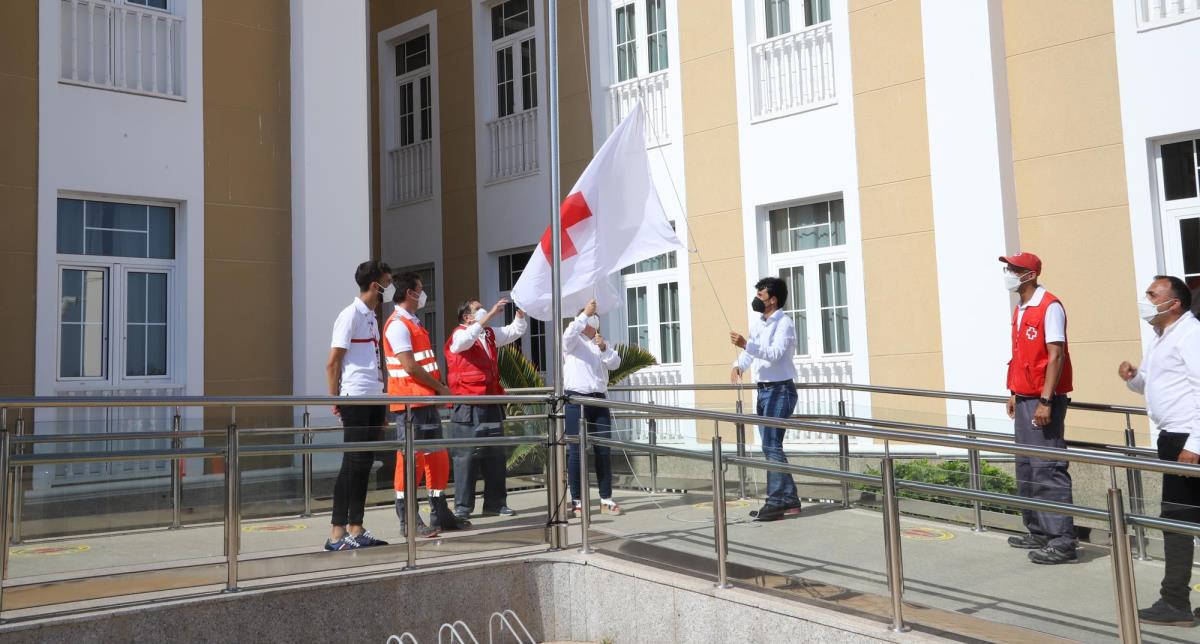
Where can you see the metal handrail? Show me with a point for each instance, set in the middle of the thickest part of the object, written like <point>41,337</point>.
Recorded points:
<point>1180,469</point>
<point>970,439</point>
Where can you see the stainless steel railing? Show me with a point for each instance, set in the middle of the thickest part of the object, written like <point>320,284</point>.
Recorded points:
<point>1115,516</point>
<point>842,424</point>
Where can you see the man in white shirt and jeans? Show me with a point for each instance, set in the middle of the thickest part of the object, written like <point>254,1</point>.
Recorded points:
<point>353,370</point>
<point>472,369</point>
<point>769,353</point>
<point>587,359</point>
<point>1169,377</point>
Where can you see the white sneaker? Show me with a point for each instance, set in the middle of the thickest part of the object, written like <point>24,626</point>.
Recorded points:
<point>610,506</point>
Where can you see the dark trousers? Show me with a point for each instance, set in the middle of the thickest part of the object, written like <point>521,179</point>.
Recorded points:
<point>1043,479</point>
<point>478,421</point>
<point>777,400</point>
<point>361,423</point>
<point>598,422</point>
<point>1181,502</point>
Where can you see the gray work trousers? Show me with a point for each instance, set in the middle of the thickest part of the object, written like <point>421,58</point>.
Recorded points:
<point>478,421</point>
<point>1043,479</point>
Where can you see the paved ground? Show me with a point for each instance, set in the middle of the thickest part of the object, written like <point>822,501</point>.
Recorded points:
<point>946,566</point>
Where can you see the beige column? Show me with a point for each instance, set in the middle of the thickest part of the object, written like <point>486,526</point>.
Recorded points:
<point>18,193</point>
<point>1072,208</point>
<point>713,176</point>
<point>899,262</point>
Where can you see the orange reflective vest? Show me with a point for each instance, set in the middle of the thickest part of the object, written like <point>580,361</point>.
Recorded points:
<point>399,383</point>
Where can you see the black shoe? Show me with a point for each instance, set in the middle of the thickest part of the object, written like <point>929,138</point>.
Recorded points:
<point>503,511</point>
<point>423,531</point>
<point>769,512</point>
<point>1051,555</point>
<point>1027,542</point>
<point>441,518</point>
<point>1164,614</point>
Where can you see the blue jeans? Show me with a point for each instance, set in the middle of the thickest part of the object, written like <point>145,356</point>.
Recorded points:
<point>777,401</point>
<point>599,423</point>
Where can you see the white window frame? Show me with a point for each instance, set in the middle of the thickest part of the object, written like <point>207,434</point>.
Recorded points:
<point>514,41</point>
<point>117,270</point>
<point>1170,213</point>
<point>641,39</point>
<point>528,338</point>
<point>414,78</point>
<point>811,261</point>
<point>651,280</point>
<point>173,11</point>
<point>795,18</point>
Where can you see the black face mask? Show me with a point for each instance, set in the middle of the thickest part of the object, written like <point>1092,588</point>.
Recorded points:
<point>758,305</point>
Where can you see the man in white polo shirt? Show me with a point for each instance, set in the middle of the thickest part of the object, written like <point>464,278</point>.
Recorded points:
<point>353,370</point>
<point>1169,377</point>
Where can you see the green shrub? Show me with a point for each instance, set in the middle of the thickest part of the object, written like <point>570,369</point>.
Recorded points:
<point>950,474</point>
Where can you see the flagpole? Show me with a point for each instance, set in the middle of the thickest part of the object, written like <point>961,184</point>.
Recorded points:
<point>559,532</point>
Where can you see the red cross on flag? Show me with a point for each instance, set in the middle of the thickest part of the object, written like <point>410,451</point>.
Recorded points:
<point>612,218</point>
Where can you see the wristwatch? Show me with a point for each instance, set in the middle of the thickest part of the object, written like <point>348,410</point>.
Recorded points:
<point>1045,401</point>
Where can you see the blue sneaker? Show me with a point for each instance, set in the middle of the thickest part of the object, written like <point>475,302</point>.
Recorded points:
<point>345,543</point>
<point>365,539</point>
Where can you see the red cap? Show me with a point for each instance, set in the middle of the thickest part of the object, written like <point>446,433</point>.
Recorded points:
<point>1027,261</point>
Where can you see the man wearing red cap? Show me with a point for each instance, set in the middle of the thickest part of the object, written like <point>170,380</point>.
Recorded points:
<point>1039,377</point>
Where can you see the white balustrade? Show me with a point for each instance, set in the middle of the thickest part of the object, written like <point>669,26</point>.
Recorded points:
<point>669,430</point>
<point>651,92</point>
<point>793,72</point>
<point>513,148</point>
<point>1157,13</point>
<point>411,170</point>
<point>820,401</point>
<point>123,47</point>
<point>106,420</point>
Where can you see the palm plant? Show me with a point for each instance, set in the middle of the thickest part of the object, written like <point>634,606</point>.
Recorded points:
<point>517,372</point>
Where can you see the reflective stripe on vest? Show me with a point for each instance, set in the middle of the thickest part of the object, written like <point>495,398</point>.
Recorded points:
<point>399,382</point>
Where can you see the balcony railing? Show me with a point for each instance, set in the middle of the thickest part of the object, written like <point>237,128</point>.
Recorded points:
<point>820,401</point>
<point>793,72</point>
<point>1157,13</point>
<point>513,150</point>
<point>122,47</point>
<point>651,91</point>
<point>411,169</point>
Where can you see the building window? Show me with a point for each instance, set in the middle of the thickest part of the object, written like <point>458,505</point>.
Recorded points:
<point>514,44</point>
<point>115,268</point>
<point>510,267</point>
<point>807,250</point>
<point>414,90</point>
<point>835,315</point>
<point>656,34</point>
<point>778,17</point>
<point>132,46</point>
<point>626,42</point>
<point>799,228</point>
<point>1178,164</point>
<point>637,322</point>
<point>669,332</point>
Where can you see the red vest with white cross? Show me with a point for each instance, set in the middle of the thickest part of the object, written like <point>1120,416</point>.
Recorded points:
<point>474,372</point>
<point>1027,369</point>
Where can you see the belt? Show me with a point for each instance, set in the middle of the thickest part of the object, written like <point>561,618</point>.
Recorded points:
<point>774,383</point>
<point>576,393</point>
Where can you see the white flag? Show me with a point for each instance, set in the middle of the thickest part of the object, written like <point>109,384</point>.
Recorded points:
<point>612,218</point>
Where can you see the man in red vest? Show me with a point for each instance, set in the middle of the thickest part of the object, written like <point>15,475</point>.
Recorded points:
<point>1039,379</point>
<point>472,369</point>
<point>413,371</point>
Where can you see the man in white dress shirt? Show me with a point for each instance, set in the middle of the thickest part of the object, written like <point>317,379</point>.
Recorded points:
<point>472,369</point>
<point>587,359</point>
<point>1169,377</point>
<point>768,354</point>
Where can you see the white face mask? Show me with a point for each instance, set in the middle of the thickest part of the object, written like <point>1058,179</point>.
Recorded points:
<point>594,322</point>
<point>480,313</point>
<point>389,293</point>
<point>421,299</point>
<point>1148,310</point>
<point>1012,281</point>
